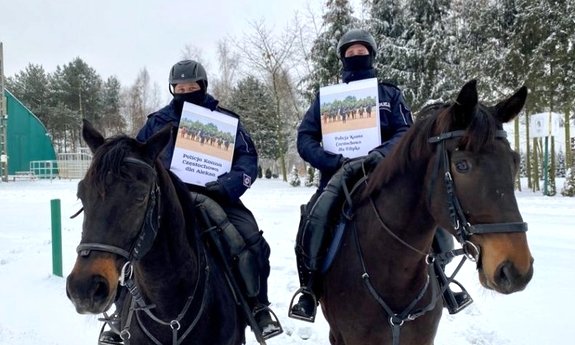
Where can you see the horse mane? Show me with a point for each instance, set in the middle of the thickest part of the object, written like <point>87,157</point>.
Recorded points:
<point>432,120</point>
<point>109,158</point>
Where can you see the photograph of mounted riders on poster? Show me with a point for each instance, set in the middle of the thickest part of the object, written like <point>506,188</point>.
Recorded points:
<point>349,121</point>
<point>204,145</point>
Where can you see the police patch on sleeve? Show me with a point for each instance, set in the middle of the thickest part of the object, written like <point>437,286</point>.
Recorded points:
<point>247,181</point>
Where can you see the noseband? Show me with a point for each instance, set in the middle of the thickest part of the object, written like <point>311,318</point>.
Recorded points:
<point>149,228</point>
<point>458,220</point>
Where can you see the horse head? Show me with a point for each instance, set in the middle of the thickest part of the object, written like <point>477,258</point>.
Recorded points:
<point>120,198</point>
<point>479,168</point>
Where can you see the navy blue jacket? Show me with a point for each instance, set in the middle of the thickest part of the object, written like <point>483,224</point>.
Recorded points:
<point>245,162</point>
<point>395,120</point>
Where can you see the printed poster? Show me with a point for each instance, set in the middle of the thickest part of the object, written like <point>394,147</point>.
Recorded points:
<point>204,145</point>
<point>350,117</point>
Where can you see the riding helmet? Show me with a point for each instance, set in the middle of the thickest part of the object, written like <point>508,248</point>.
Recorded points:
<point>354,36</point>
<point>188,71</point>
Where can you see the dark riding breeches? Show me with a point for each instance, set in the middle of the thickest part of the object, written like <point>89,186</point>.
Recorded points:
<point>244,221</point>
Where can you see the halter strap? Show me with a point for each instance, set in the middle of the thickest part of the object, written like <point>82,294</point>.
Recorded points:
<point>149,228</point>
<point>458,219</point>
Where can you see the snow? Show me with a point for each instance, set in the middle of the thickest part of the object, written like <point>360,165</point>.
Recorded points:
<point>34,308</point>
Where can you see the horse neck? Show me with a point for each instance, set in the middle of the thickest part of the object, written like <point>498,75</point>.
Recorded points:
<point>402,206</point>
<point>171,266</point>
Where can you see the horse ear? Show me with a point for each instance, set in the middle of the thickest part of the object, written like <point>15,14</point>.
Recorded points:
<point>511,107</point>
<point>157,142</point>
<point>92,137</point>
<point>465,103</point>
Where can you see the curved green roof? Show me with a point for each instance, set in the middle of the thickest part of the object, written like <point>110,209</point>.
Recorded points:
<point>26,137</point>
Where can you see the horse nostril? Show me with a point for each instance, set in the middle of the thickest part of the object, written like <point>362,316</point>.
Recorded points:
<point>101,289</point>
<point>506,277</point>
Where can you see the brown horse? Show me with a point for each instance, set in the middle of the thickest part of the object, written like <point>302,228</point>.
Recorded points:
<point>139,229</point>
<point>455,169</point>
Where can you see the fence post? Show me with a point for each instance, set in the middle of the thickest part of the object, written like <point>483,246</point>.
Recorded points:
<point>56,237</point>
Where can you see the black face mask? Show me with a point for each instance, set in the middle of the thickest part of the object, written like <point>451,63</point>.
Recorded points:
<point>357,62</point>
<point>196,97</point>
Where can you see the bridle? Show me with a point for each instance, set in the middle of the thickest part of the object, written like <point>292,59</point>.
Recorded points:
<point>460,224</point>
<point>148,231</point>
<point>139,249</point>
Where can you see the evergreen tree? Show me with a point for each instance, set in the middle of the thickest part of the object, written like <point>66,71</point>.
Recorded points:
<point>569,185</point>
<point>112,120</point>
<point>310,176</point>
<point>523,165</point>
<point>427,43</point>
<point>268,173</point>
<point>560,164</point>
<point>387,25</point>
<point>294,179</point>
<point>77,87</point>
<point>260,173</point>
<point>337,20</point>
<point>32,88</point>
<point>253,102</point>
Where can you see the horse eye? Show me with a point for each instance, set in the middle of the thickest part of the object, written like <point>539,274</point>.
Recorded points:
<point>140,198</point>
<point>462,166</point>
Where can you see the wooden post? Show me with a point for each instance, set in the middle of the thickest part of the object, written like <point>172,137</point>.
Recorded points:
<point>3,123</point>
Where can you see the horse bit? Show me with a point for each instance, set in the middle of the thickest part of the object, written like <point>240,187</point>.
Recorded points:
<point>459,223</point>
<point>142,245</point>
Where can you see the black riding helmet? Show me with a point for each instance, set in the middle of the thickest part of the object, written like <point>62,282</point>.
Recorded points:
<point>188,71</point>
<point>354,36</point>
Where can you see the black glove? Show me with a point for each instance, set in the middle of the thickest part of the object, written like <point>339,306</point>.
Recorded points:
<point>216,190</point>
<point>341,162</point>
<point>371,160</point>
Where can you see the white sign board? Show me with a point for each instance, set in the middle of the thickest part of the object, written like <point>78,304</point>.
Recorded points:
<point>350,117</point>
<point>544,125</point>
<point>205,145</point>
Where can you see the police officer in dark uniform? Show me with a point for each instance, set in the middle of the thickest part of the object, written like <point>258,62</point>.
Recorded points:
<point>357,50</point>
<point>188,82</point>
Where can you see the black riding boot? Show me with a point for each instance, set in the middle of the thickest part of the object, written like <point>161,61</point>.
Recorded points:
<point>266,319</point>
<point>112,336</point>
<point>453,301</point>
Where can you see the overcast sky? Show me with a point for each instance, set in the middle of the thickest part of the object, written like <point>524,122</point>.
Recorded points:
<point>119,37</point>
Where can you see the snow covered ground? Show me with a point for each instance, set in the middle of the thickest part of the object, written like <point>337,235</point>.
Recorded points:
<point>34,309</point>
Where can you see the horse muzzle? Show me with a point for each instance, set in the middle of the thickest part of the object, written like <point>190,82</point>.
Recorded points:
<point>91,290</point>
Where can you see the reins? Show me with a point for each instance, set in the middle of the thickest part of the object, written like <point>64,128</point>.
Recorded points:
<point>142,245</point>
<point>459,223</point>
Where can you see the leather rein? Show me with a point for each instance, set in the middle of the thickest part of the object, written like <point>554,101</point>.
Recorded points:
<point>141,246</point>
<point>463,228</point>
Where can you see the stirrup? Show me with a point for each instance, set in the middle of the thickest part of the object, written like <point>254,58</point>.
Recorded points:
<point>291,314</point>
<point>451,303</point>
<point>113,322</point>
<point>277,330</point>
<point>109,337</point>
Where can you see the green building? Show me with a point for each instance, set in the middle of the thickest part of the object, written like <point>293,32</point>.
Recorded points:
<point>28,145</point>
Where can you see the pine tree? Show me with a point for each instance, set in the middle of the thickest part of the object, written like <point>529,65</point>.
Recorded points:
<point>294,180</point>
<point>560,164</point>
<point>32,88</point>
<point>252,101</point>
<point>310,176</point>
<point>523,165</point>
<point>337,20</point>
<point>387,25</point>
<point>427,43</point>
<point>569,185</point>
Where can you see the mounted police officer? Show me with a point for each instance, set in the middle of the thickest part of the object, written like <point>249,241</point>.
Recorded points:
<point>188,82</point>
<point>356,50</point>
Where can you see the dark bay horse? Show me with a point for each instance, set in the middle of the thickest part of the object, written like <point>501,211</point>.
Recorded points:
<point>455,169</point>
<point>139,229</point>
